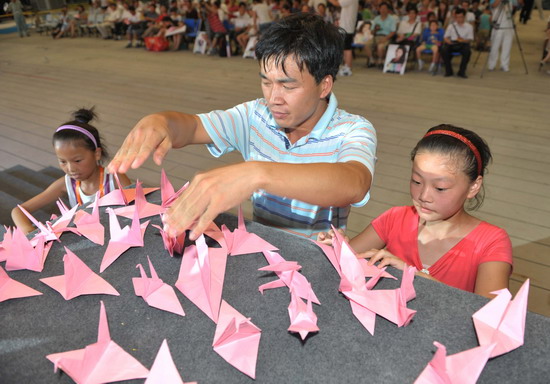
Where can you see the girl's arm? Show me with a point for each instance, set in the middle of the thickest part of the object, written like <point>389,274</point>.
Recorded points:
<point>367,240</point>
<point>492,276</point>
<point>49,195</point>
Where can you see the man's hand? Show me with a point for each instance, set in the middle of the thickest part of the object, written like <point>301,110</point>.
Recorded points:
<point>209,194</point>
<point>151,134</point>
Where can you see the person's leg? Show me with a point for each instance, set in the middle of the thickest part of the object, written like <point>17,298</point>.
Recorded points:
<point>446,55</point>
<point>507,39</point>
<point>19,24</point>
<point>465,52</point>
<point>419,50</point>
<point>496,42</point>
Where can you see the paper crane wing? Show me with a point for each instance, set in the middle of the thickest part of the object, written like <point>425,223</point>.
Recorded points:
<point>164,370</point>
<point>22,255</point>
<point>302,318</point>
<point>142,206</point>
<point>12,289</point>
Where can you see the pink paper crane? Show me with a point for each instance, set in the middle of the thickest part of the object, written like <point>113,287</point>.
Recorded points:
<point>302,318</point>
<point>12,289</point>
<point>288,275</point>
<point>237,340</point>
<point>49,231</point>
<point>142,206</point>
<point>164,370</point>
<point>155,292</point>
<point>460,368</point>
<point>167,192</point>
<point>201,276</point>
<point>78,279</point>
<point>101,362</point>
<point>5,245</point>
<point>241,242</point>
<point>121,196</point>
<point>20,254</point>
<point>172,244</point>
<point>122,239</point>
<point>502,320</point>
<point>89,226</point>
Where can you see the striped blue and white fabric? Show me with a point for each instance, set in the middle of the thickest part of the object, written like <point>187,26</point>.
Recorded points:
<point>337,137</point>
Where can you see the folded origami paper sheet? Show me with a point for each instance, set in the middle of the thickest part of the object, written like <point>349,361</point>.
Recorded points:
<point>502,320</point>
<point>237,340</point>
<point>49,231</point>
<point>302,318</point>
<point>78,279</point>
<point>142,206</point>
<point>101,362</point>
<point>460,368</point>
<point>155,292</point>
<point>201,276</point>
<point>167,192</point>
<point>5,244</point>
<point>122,239</point>
<point>241,242</point>
<point>20,253</point>
<point>288,275</point>
<point>164,371</point>
<point>172,244</point>
<point>12,289</point>
<point>89,226</point>
<point>121,196</point>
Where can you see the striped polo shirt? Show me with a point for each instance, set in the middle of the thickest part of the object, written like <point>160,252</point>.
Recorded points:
<point>337,137</point>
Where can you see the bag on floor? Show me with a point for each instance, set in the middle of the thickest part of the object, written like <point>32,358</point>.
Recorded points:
<point>201,41</point>
<point>156,43</point>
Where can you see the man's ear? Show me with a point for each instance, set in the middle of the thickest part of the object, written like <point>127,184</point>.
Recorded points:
<point>326,86</point>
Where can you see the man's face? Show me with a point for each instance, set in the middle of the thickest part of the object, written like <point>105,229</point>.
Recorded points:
<point>459,17</point>
<point>295,100</point>
<point>383,10</point>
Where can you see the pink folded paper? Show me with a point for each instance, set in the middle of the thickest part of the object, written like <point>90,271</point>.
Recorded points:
<point>237,340</point>
<point>12,289</point>
<point>167,192</point>
<point>49,231</point>
<point>288,275</point>
<point>89,226</point>
<point>241,242</point>
<point>460,368</point>
<point>502,320</point>
<point>78,279</point>
<point>172,244</point>
<point>302,318</point>
<point>201,276</point>
<point>164,371</point>
<point>101,362</point>
<point>122,239</point>
<point>5,244</point>
<point>155,292</point>
<point>121,196</point>
<point>20,254</point>
<point>142,206</point>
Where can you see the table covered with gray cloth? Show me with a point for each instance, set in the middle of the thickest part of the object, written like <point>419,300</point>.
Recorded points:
<point>342,351</point>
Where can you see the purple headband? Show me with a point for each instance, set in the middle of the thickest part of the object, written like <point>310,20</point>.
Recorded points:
<point>79,129</point>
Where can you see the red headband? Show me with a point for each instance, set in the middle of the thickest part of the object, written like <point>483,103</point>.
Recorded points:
<point>458,136</point>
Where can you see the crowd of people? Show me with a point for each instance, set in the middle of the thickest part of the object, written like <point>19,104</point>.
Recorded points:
<point>434,30</point>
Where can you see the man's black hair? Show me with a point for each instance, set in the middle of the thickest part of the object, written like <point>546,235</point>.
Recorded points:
<point>314,44</point>
<point>460,11</point>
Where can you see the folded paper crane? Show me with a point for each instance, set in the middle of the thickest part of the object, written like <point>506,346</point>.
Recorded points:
<point>12,289</point>
<point>172,244</point>
<point>502,320</point>
<point>121,196</point>
<point>237,340</point>
<point>89,226</point>
<point>5,244</point>
<point>287,272</point>
<point>49,231</point>
<point>101,362</point>
<point>167,192</point>
<point>142,206</point>
<point>78,279</point>
<point>201,276</point>
<point>155,292</point>
<point>241,242</point>
<point>164,371</point>
<point>122,239</point>
<point>302,318</point>
<point>20,253</point>
<point>460,368</point>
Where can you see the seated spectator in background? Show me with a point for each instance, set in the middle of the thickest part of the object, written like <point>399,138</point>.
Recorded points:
<point>470,16</point>
<point>458,36</point>
<point>365,11</point>
<point>409,29</point>
<point>107,26</point>
<point>243,23</point>
<point>150,16</point>
<point>442,14</point>
<point>432,39</point>
<point>80,19</point>
<point>96,15</point>
<point>261,14</point>
<point>65,25</point>
<point>215,28</point>
<point>423,10</point>
<point>363,38</point>
<point>286,10</point>
<point>188,10</point>
<point>135,28</point>
<point>121,25</point>
<point>383,27</point>
<point>322,11</point>
<point>154,28</point>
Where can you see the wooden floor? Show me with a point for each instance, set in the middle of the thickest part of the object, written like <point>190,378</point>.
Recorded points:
<point>43,80</point>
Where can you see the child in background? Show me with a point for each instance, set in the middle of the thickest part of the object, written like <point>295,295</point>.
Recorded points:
<point>363,34</point>
<point>80,152</point>
<point>484,30</point>
<point>436,234</point>
<point>432,38</point>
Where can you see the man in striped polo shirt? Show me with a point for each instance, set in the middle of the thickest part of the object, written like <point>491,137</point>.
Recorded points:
<point>306,161</point>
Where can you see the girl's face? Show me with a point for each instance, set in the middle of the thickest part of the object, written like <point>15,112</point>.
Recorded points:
<point>75,160</point>
<point>439,187</point>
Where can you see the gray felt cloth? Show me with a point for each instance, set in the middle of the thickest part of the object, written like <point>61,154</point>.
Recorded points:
<point>342,351</point>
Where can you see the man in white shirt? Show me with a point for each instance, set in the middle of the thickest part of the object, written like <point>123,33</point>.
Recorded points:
<point>502,35</point>
<point>458,36</point>
<point>348,19</point>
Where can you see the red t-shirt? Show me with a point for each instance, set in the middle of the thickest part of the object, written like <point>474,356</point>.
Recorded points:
<point>398,228</point>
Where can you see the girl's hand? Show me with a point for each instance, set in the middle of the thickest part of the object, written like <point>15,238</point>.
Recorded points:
<point>327,237</point>
<point>383,258</point>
